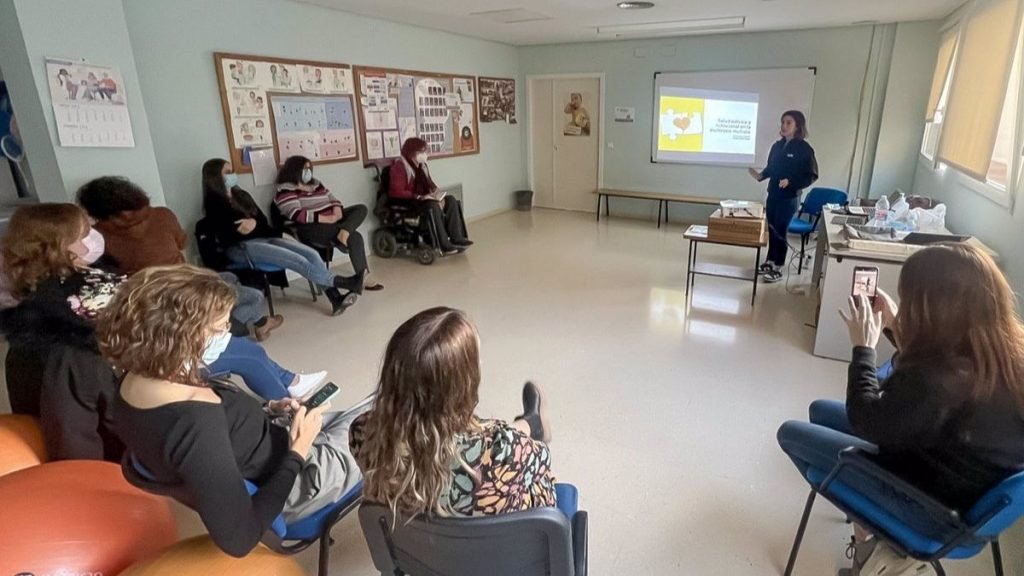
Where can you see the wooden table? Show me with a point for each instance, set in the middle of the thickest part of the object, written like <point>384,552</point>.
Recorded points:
<point>698,234</point>
<point>662,198</point>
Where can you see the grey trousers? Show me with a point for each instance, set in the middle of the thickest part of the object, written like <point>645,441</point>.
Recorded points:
<point>330,470</point>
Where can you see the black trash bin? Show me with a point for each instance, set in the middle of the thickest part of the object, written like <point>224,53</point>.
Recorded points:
<point>524,200</point>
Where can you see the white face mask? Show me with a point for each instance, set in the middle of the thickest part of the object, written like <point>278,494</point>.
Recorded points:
<point>421,158</point>
<point>95,245</point>
<point>307,175</point>
<point>215,346</point>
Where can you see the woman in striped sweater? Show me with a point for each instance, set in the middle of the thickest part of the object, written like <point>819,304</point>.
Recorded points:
<point>320,218</point>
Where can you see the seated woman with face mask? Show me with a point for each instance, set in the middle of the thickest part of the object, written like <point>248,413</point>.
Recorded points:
<point>410,181</point>
<point>48,253</point>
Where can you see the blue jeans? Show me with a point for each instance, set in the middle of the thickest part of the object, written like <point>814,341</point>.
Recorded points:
<point>249,360</point>
<point>567,499</point>
<point>284,253</point>
<point>779,212</point>
<point>248,301</point>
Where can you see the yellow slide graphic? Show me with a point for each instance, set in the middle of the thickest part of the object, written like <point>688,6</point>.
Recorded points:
<point>681,124</point>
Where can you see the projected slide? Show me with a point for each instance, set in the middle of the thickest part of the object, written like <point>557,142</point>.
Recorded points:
<point>706,126</point>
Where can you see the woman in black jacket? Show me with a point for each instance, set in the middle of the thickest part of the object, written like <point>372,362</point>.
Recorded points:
<point>950,417</point>
<point>791,168</point>
<point>243,228</point>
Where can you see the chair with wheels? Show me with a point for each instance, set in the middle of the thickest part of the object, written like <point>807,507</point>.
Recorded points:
<point>403,229</point>
<point>282,538</point>
<point>261,276</point>
<point>911,521</point>
<point>537,542</point>
<point>811,207</point>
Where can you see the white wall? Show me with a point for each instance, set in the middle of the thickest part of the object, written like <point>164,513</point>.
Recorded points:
<point>174,44</point>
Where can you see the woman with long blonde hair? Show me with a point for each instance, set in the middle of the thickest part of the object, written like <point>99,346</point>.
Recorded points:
<point>203,439</point>
<point>950,417</point>
<point>424,451</point>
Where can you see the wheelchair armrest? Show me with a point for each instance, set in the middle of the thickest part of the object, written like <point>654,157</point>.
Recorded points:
<point>579,543</point>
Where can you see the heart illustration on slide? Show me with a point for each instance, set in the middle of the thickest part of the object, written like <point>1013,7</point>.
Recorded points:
<point>681,122</point>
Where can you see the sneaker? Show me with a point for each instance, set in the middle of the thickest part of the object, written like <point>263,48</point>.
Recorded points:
<point>305,384</point>
<point>771,276</point>
<point>766,267</point>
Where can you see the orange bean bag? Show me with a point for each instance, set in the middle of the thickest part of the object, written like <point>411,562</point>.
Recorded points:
<point>199,556</point>
<point>21,443</point>
<point>78,517</point>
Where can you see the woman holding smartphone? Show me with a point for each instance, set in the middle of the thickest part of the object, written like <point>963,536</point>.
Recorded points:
<point>791,168</point>
<point>205,440</point>
<point>949,418</point>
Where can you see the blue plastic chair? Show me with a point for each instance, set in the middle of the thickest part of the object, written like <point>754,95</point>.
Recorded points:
<point>536,542</point>
<point>294,538</point>
<point>281,538</point>
<point>811,208</point>
<point>911,521</point>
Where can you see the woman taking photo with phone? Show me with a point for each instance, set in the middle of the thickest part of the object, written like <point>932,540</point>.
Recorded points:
<point>162,328</point>
<point>791,168</point>
<point>949,419</point>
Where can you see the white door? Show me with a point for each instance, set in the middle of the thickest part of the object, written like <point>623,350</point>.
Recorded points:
<point>577,142</point>
<point>565,142</point>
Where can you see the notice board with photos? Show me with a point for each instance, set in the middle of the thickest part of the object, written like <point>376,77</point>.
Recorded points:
<point>320,92</point>
<point>395,105</point>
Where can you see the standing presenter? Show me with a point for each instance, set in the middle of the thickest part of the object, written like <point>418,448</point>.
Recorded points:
<point>791,168</point>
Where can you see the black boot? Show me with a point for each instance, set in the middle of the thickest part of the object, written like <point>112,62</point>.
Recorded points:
<point>350,283</point>
<point>533,400</point>
<point>339,302</point>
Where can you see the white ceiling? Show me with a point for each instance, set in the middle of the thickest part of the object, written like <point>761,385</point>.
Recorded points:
<point>578,20</point>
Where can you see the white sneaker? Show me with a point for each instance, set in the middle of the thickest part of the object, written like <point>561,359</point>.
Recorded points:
<point>307,384</point>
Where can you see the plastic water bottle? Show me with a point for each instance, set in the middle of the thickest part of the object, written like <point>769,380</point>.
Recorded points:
<point>900,208</point>
<point>881,211</point>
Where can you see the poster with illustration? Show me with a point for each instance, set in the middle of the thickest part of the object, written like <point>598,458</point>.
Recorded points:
<point>249,102</point>
<point>89,104</point>
<point>240,73</point>
<point>313,79</point>
<point>577,121</point>
<point>321,128</point>
<point>251,131</point>
<point>339,81</point>
<point>498,100</point>
<point>281,77</point>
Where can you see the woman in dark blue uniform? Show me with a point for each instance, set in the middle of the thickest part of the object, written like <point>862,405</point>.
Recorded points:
<point>791,168</point>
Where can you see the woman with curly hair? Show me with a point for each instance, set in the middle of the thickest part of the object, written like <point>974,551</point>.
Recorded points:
<point>161,328</point>
<point>424,451</point>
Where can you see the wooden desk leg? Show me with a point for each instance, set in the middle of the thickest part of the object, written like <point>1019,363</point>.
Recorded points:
<point>757,261</point>
<point>659,213</point>
<point>599,207</point>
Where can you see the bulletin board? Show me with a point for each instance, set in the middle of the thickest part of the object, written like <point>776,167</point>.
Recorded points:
<point>321,128</point>
<point>395,105</point>
<point>247,83</point>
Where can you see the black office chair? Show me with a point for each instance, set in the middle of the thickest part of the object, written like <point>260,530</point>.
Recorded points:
<point>538,542</point>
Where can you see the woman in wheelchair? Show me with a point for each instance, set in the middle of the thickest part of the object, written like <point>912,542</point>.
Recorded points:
<point>410,181</point>
<point>241,225</point>
<point>949,419</point>
<point>319,217</point>
<point>198,440</point>
<point>422,449</point>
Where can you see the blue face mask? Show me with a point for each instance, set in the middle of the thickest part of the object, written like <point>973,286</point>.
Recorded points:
<point>230,180</point>
<point>215,346</point>
<point>307,175</point>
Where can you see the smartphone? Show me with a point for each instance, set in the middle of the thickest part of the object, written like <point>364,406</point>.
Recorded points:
<point>865,282</point>
<point>329,390</point>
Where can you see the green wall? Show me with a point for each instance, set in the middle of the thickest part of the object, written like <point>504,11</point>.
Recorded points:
<point>841,56</point>
<point>90,29</point>
<point>174,44</point>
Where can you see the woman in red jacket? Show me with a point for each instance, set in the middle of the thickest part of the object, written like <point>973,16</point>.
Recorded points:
<point>410,180</point>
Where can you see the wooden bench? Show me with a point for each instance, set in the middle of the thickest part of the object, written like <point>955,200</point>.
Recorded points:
<point>662,198</point>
